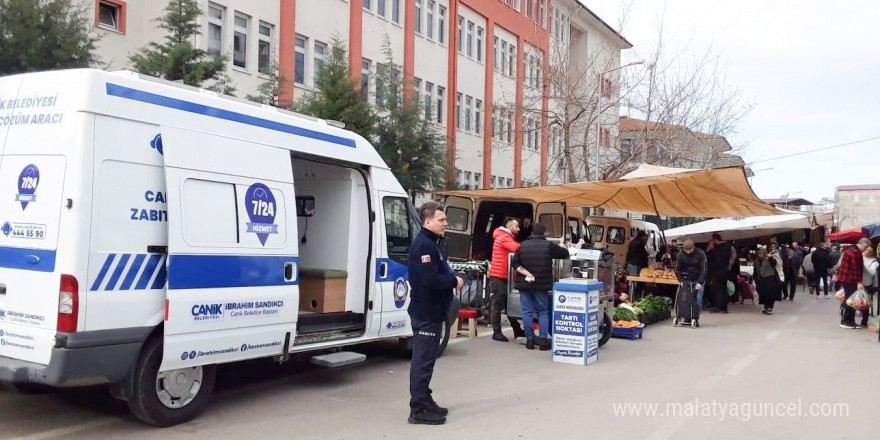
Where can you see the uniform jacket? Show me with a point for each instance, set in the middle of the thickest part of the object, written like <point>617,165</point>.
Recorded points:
<point>431,279</point>
<point>536,255</point>
<point>503,245</point>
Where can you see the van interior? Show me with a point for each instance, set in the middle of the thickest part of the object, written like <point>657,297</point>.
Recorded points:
<point>333,206</point>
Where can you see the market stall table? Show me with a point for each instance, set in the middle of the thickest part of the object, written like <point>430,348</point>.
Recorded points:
<point>632,280</point>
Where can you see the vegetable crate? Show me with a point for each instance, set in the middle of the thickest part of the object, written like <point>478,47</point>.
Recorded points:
<point>627,333</point>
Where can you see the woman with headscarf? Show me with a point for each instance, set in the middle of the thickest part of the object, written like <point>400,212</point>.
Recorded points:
<point>766,280</point>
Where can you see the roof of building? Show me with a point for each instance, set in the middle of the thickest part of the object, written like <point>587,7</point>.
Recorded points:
<point>628,124</point>
<point>607,26</point>
<point>859,187</point>
<point>788,201</point>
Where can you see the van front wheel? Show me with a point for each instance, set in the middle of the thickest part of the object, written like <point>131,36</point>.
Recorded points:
<point>170,397</point>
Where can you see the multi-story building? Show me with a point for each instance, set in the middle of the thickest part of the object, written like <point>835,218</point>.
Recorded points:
<point>857,205</point>
<point>480,66</point>
<point>672,145</point>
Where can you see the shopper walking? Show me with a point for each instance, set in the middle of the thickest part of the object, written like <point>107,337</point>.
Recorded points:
<point>791,271</point>
<point>533,262</point>
<point>766,280</point>
<point>504,244</point>
<point>721,257</point>
<point>822,263</point>
<point>852,268</point>
<point>431,283</point>
<point>691,265</point>
<point>869,280</point>
<point>810,273</point>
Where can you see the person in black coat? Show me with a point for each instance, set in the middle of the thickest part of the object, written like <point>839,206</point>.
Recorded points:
<point>720,257</point>
<point>533,262</point>
<point>821,264</point>
<point>431,283</point>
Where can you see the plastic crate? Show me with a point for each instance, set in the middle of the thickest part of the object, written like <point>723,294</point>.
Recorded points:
<point>627,333</point>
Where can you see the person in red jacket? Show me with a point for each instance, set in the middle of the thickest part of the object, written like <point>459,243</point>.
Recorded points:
<point>504,244</point>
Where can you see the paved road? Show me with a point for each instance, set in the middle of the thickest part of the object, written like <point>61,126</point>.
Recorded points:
<point>502,391</point>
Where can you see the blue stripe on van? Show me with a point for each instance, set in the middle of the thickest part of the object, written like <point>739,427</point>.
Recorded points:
<point>40,260</point>
<point>161,277</point>
<point>395,270</point>
<point>120,267</point>
<point>135,267</point>
<point>103,272</point>
<point>214,112</point>
<point>148,271</point>
<point>218,271</point>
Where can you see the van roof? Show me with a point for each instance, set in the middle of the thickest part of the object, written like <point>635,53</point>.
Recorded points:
<point>142,98</point>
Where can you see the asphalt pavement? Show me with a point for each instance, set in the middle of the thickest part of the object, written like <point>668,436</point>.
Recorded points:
<point>795,374</point>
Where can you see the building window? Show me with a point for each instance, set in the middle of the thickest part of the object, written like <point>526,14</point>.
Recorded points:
<point>626,147</point>
<point>430,20</point>
<point>478,117</point>
<point>478,180</point>
<point>468,102</point>
<point>380,8</point>
<point>460,30</point>
<point>365,78</point>
<point>417,90</point>
<point>509,130</point>
<point>440,94</point>
<point>470,39</point>
<point>299,66</point>
<point>429,100</point>
<point>871,198</point>
<point>264,49</point>
<point>418,16</point>
<point>458,110</point>
<point>111,15</point>
<point>395,11</point>
<point>367,4</point>
<point>479,44</point>
<point>516,4</point>
<point>503,57</point>
<point>319,57</point>
<point>511,60</point>
<point>441,25</point>
<point>215,29</point>
<point>542,13</point>
<point>529,8</point>
<point>495,54</point>
<point>856,198</point>
<point>239,43</point>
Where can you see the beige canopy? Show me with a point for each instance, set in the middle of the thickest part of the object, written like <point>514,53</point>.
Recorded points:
<point>672,192</point>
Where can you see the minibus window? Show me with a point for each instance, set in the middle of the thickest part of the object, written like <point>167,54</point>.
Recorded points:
<point>399,228</point>
<point>457,219</point>
<point>597,232</point>
<point>616,235</point>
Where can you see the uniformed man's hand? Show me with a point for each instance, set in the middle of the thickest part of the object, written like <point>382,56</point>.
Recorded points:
<point>460,282</point>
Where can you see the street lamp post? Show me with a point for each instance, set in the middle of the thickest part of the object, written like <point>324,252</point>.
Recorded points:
<point>599,110</point>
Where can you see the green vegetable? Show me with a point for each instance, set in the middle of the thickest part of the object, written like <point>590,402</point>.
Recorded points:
<point>622,314</point>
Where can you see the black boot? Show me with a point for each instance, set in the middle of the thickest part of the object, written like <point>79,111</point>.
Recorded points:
<point>530,344</point>
<point>439,409</point>
<point>498,336</point>
<point>426,417</point>
<point>544,344</point>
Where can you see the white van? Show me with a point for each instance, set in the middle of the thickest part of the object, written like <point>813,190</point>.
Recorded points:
<point>615,233</point>
<point>151,231</point>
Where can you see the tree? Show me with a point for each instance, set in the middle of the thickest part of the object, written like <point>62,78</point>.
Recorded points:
<point>411,145</point>
<point>177,58</point>
<point>45,35</point>
<point>337,96</point>
<point>269,91</point>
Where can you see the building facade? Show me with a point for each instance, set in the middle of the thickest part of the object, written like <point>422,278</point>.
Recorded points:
<point>480,67</point>
<point>857,205</point>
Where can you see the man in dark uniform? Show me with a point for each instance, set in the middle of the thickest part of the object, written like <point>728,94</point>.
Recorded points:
<point>431,282</point>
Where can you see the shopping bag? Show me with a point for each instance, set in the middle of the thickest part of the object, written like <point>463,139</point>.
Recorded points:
<point>731,288</point>
<point>858,300</point>
<point>874,324</point>
<point>841,295</point>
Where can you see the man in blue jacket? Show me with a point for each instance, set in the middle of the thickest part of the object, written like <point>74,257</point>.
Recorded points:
<point>431,282</point>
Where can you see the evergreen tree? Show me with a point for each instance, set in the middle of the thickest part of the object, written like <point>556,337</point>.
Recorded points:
<point>44,35</point>
<point>412,146</point>
<point>177,58</point>
<point>338,97</point>
<point>269,91</point>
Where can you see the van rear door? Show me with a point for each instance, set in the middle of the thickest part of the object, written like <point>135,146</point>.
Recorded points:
<point>459,232</point>
<point>232,250</point>
<point>553,216</point>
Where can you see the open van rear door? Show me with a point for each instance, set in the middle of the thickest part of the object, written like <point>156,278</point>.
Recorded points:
<point>232,250</point>
<point>459,232</point>
<point>553,216</point>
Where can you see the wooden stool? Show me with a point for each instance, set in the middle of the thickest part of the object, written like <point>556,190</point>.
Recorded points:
<point>471,316</point>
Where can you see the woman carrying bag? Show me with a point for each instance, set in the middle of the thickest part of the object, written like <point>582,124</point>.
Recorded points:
<point>767,281</point>
<point>869,280</point>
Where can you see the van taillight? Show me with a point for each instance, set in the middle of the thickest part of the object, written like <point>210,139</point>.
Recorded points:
<point>68,304</point>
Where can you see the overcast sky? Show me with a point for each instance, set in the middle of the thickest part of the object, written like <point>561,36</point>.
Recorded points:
<point>811,69</point>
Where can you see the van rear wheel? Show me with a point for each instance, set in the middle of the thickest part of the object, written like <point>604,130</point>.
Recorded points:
<point>170,397</point>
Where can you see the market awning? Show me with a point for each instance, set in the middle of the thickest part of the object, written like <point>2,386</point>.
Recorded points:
<point>740,229</point>
<point>872,231</point>
<point>672,192</point>
<point>848,236</point>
